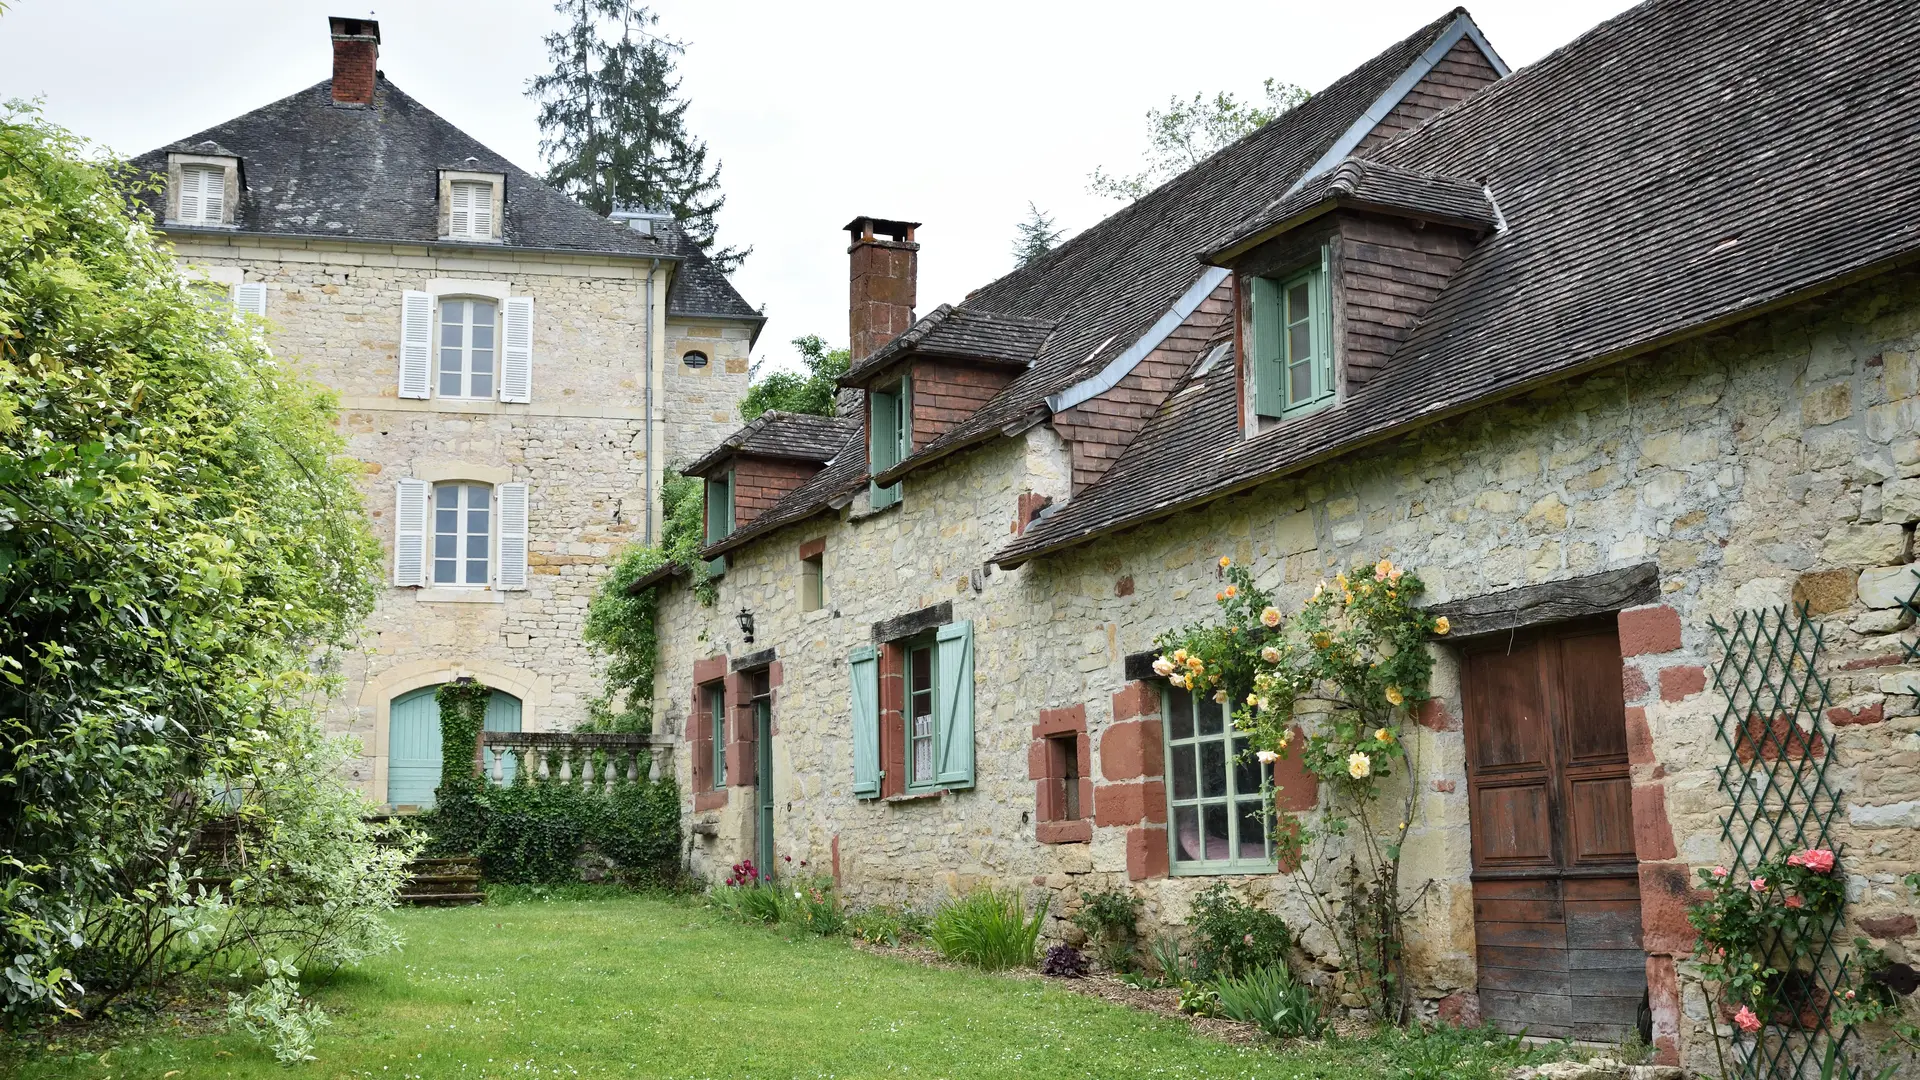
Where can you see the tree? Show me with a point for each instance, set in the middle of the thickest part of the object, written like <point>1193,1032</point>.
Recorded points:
<point>789,391</point>
<point>1186,133</point>
<point>613,126</point>
<point>1035,236</point>
<point>182,552</point>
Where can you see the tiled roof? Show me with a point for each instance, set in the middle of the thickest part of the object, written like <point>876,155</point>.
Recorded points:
<point>845,475</point>
<point>1684,165</point>
<point>964,332</point>
<point>797,436</point>
<point>1364,184</point>
<point>700,290</point>
<point>1106,286</point>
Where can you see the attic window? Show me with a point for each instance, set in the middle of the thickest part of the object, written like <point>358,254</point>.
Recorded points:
<point>695,359</point>
<point>1292,345</point>
<point>470,216</point>
<point>203,195</point>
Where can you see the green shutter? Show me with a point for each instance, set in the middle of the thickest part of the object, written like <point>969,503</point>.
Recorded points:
<point>1323,325</point>
<point>953,705</point>
<point>1269,347</point>
<point>719,518</point>
<point>884,424</point>
<point>864,665</point>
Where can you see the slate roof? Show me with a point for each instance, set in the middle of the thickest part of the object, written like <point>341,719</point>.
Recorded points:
<point>964,332</point>
<point>843,477</point>
<point>1369,185</point>
<point>1684,165</point>
<point>795,436</point>
<point>310,167</point>
<point>1106,286</point>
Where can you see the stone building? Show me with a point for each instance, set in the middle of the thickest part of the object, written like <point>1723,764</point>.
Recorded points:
<point>1621,352</point>
<point>513,370</point>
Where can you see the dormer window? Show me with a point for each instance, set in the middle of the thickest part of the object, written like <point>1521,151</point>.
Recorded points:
<point>1292,345</point>
<point>470,206</point>
<point>202,189</point>
<point>720,517</point>
<point>889,439</point>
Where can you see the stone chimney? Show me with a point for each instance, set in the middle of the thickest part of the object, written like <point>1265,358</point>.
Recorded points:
<point>356,59</point>
<point>884,261</point>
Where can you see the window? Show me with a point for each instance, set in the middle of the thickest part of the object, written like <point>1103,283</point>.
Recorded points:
<point>470,215</point>
<point>1064,752</point>
<point>695,359</point>
<point>462,534</point>
<point>719,508</point>
<point>1215,792</point>
<point>889,439</point>
<point>203,194</point>
<point>1292,342</point>
<point>717,729</point>
<point>813,578</point>
<point>919,715</point>
<point>467,348</point>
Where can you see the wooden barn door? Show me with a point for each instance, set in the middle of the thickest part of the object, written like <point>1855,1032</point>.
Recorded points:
<point>1556,895</point>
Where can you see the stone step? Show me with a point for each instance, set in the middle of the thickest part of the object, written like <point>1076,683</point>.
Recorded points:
<point>444,899</point>
<point>443,883</point>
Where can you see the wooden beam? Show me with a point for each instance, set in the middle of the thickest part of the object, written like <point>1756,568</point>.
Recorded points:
<point>1553,601</point>
<point>905,626</point>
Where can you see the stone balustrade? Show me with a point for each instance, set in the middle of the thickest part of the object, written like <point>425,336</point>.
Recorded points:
<point>591,760</point>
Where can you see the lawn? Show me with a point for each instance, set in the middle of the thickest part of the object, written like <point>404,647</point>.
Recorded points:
<point>646,987</point>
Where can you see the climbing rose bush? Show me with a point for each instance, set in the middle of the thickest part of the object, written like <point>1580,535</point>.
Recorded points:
<point>1744,925</point>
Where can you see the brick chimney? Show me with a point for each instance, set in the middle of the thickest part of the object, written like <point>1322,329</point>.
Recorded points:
<point>356,59</point>
<point>884,261</point>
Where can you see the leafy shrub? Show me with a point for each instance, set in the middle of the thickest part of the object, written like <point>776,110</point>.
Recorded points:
<point>535,834</point>
<point>1232,936</point>
<point>1198,999</point>
<point>887,925</point>
<point>1108,917</point>
<point>989,929</point>
<point>1064,962</point>
<point>816,907</point>
<point>1269,996</point>
<point>274,1014</point>
<point>1173,965</point>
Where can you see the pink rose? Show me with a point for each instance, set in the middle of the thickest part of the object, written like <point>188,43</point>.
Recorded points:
<point>1720,871</point>
<point>1818,860</point>
<point>1758,884</point>
<point>1748,1022</point>
<point>1794,902</point>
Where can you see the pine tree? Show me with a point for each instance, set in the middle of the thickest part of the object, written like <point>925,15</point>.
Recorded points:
<point>1035,236</point>
<point>613,125</point>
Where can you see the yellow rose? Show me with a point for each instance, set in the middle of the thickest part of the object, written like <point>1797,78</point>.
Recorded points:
<point>1382,735</point>
<point>1381,569</point>
<point>1220,696</point>
<point>1225,562</point>
<point>1359,766</point>
<point>1194,663</point>
<point>1270,654</point>
<point>1441,625</point>
<point>1394,697</point>
<point>1162,666</point>
<point>1233,590</point>
<point>1179,656</point>
<point>1270,617</point>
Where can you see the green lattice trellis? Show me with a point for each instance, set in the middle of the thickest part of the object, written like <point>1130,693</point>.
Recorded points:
<point>1911,607</point>
<point>1781,799</point>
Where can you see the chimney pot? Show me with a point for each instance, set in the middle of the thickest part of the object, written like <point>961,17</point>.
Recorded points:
<point>884,263</point>
<point>356,59</point>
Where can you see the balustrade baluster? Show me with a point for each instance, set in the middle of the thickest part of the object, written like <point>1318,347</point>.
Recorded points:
<point>633,766</point>
<point>566,764</point>
<point>499,770</point>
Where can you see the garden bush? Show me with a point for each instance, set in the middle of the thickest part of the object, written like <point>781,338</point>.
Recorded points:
<point>988,929</point>
<point>537,834</point>
<point>1269,996</point>
<point>1064,962</point>
<point>887,925</point>
<point>1231,936</point>
<point>1108,918</point>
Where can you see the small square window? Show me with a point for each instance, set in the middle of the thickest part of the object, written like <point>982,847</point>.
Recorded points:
<point>203,194</point>
<point>813,581</point>
<point>470,213</point>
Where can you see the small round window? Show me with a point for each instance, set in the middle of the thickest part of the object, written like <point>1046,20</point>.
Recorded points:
<point>695,359</point>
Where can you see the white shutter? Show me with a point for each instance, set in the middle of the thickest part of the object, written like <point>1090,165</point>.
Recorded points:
<point>516,354</point>
<point>513,535</point>
<point>189,194</point>
<point>460,214</point>
<point>213,194</point>
<point>250,298</point>
<point>416,343</point>
<point>410,531</point>
<point>480,205</point>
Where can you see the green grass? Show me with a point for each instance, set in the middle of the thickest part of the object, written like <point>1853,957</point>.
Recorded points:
<point>659,988</point>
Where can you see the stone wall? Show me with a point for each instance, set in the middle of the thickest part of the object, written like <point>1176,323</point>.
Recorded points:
<point>1771,463</point>
<point>579,445</point>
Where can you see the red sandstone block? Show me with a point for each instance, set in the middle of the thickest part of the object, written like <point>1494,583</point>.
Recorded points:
<point>709,669</point>
<point>1633,683</point>
<point>1652,833</point>
<point>1131,749</point>
<point>1119,804</point>
<point>709,800</point>
<point>1146,853</point>
<point>1063,832</point>
<point>1663,997</point>
<point>1139,698</point>
<point>1665,896</point>
<point>1683,681</point>
<point>1294,787</point>
<point>1049,803</point>
<point>1039,760</point>
<point>1654,629</point>
<point>1890,927</point>
<point>1840,716</point>
<point>1435,716</point>
<point>1639,737</point>
<point>1062,720</point>
<point>1445,787</point>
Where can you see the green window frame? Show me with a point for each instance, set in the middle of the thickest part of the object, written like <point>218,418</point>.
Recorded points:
<point>936,721</point>
<point>918,716</point>
<point>717,729</point>
<point>1293,371</point>
<point>1217,820</point>
<point>719,518</point>
<point>889,438</point>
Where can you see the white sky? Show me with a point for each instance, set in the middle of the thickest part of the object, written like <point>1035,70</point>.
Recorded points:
<point>953,115</point>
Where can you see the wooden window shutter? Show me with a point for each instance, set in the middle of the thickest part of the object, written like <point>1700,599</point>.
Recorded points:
<point>480,205</point>
<point>1323,324</point>
<point>460,213</point>
<point>953,705</point>
<point>884,435</point>
<point>213,194</point>
<point>416,343</point>
<point>512,500</point>
<point>250,298</point>
<point>190,194</point>
<point>410,532</point>
<point>516,354</point>
<point>1268,349</point>
<point>864,664</point>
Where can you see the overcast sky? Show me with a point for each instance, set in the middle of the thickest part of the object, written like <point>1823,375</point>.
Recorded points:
<point>955,115</point>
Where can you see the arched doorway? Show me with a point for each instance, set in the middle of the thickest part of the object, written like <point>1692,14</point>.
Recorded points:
<point>413,742</point>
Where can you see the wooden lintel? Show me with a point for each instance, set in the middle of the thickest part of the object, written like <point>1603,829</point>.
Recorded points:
<point>913,622</point>
<point>1553,601</point>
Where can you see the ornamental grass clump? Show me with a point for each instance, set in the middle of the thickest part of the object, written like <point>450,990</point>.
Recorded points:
<point>1269,996</point>
<point>988,929</point>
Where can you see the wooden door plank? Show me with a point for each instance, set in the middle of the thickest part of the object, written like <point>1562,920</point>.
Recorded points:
<point>1523,935</point>
<point>1603,930</point>
<point>1513,956</point>
<point>1502,910</point>
<point>1518,889</point>
<point>1604,888</point>
<point>1608,982</point>
<point>1593,959</point>
<point>1534,1010</point>
<point>1526,980</point>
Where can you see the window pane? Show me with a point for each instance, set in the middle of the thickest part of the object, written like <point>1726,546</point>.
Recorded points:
<point>482,385</point>
<point>446,496</point>
<point>1213,770</point>
<point>1300,383</point>
<point>477,546</point>
<point>1186,834</point>
<point>446,544</point>
<point>480,360</point>
<point>443,571</point>
<point>922,670</point>
<point>1246,769</point>
<point>1299,341</point>
<point>451,322</point>
<point>1298,306</point>
<point>1215,817</point>
<point>450,383</point>
<point>1253,830</point>
<point>1210,722</point>
<point>483,326</point>
<point>1180,716</point>
<point>1183,786</point>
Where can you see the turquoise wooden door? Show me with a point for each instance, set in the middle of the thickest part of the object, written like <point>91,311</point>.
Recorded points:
<point>413,742</point>
<point>413,748</point>
<point>503,714</point>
